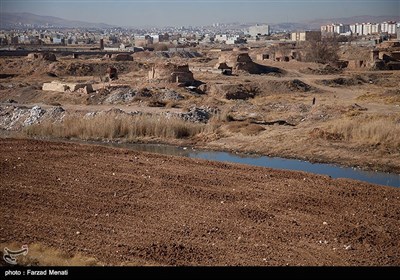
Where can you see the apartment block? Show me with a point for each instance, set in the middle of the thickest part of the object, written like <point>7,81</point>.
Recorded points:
<point>259,30</point>
<point>306,36</point>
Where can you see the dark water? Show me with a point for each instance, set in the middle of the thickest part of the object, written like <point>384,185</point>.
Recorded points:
<point>335,171</point>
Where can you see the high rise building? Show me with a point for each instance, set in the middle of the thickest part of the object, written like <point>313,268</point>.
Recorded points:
<point>257,30</point>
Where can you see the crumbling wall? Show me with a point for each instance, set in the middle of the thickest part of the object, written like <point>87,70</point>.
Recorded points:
<point>65,87</point>
<point>264,56</point>
<point>355,64</point>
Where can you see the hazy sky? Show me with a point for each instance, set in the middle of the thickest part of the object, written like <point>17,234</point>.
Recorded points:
<point>196,12</point>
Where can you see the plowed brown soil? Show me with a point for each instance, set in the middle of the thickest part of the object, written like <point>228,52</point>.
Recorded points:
<point>132,208</point>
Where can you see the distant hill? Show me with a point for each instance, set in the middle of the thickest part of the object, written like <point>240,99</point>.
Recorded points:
<point>289,26</point>
<point>25,19</point>
<point>8,20</point>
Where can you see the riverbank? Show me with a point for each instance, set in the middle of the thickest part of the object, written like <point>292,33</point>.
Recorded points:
<point>122,207</point>
<point>332,170</point>
<point>314,152</point>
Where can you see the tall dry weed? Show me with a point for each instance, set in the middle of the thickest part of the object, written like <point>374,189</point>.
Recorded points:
<point>370,130</point>
<point>114,126</point>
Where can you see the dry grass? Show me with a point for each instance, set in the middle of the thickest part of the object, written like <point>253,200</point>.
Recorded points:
<point>116,126</point>
<point>387,97</point>
<point>245,128</point>
<point>222,116</point>
<point>41,255</point>
<point>370,130</point>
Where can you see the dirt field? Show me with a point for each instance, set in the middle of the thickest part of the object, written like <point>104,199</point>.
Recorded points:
<point>92,205</point>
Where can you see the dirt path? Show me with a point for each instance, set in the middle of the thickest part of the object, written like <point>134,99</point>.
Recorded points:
<point>127,108</point>
<point>96,108</point>
<point>117,206</point>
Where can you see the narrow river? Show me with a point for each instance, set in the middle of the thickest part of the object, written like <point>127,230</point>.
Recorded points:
<point>335,171</point>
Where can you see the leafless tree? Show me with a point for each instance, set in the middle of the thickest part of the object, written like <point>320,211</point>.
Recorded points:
<point>325,51</point>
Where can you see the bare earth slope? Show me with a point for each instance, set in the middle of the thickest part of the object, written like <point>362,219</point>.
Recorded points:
<point>132,208</point>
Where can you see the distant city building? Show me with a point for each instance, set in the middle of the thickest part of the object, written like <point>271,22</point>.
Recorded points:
<point>143,41</point>
<point>235,40</point>
<point>221,38</point>
<point>259,30</point>
<point>398,31</point>
<point>337,28</point>
<point>155,37</point>
<point>367,29</point>
<point>359,29</point>
<point>353,28</point>
<point>375,28</point>
<point>306,36</point>
<point>57,40</point>
<point>163,37</point>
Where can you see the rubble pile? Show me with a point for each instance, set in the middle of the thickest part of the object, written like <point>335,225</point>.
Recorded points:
<point>16,117</point>
<point>198,114</point>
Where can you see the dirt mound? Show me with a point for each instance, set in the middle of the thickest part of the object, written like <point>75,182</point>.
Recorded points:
<point>289,86</point>
<point>232,91</point>
<point>42,56</point>
<point>122,57</point>
<point>79,69</point>
<point>267,87</point>
<point>297,85</point>
<point>324,70</point>
<point>242,62</point>
<point>25,67</point>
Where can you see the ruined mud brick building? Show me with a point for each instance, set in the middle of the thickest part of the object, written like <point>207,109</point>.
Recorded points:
<point>171,73</point>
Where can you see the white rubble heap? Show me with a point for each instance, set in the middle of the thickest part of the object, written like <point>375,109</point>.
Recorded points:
<point>34,116</point>
<point>17,117</point>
